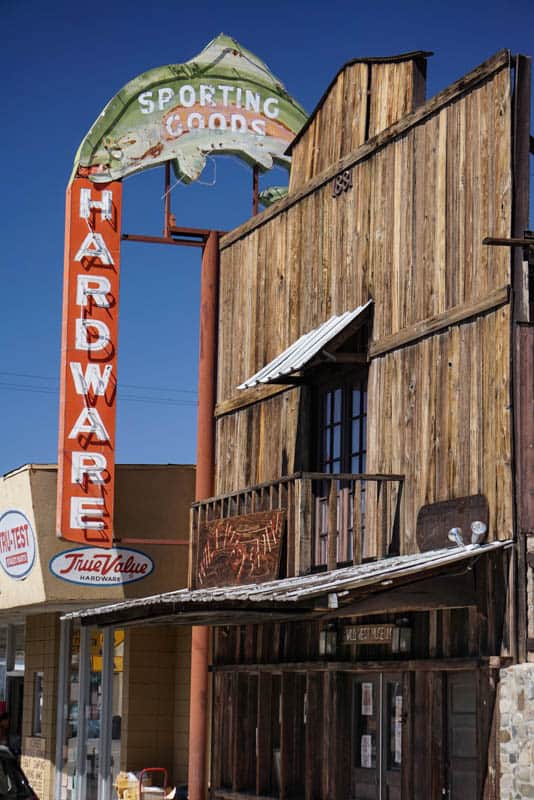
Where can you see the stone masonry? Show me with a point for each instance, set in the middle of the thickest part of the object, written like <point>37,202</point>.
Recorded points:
<point>516,706</point>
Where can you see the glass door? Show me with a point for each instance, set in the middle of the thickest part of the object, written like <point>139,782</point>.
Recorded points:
<point>378,712</point>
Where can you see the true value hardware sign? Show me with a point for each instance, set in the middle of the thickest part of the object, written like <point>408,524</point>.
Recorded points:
<point>223,101</point>
<point>94,566</point>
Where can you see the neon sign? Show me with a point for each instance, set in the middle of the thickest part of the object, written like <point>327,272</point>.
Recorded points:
<point>88,363</point>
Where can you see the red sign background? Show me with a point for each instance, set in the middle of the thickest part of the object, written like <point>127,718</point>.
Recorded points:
<point>86,459</point>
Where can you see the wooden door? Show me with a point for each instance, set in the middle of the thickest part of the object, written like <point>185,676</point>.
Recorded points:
<point>462,745</point>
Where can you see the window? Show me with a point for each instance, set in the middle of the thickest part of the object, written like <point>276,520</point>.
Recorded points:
<point>37,723</point>
<point>342,449</point>
<point>343,427</point>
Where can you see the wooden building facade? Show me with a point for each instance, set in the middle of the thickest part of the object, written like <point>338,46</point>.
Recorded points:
<point>409,423</point>
<point>366,561</point>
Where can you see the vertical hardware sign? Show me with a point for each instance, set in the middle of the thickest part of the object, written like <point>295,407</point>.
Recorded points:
<point>86,461</point>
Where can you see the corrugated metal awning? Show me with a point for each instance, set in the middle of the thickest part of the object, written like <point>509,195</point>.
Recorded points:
<point>285,597</point>
<point>300,353</point>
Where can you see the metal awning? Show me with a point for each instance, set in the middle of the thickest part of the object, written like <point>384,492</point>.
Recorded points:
<point>285,598</point>
<point>311,344</point>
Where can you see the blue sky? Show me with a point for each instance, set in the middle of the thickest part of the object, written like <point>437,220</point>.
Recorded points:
<point>61,63</point>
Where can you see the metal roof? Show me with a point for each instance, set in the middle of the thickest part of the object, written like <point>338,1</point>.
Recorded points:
<point>301,352</point>
<point>289,595</point>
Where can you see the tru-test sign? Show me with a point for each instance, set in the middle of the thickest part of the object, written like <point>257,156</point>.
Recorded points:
<point>89,363</point>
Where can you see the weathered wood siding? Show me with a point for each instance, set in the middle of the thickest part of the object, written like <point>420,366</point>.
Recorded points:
<point>364,99</point>
<point>409,235</point>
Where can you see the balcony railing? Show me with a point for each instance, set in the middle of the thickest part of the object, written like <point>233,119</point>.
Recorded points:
<point>330,519</point>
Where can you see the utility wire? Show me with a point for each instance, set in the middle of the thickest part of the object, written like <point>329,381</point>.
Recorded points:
<point>167,401</point>
<point>55,381</point>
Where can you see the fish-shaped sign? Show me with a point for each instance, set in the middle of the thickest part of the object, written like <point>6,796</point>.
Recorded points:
<point>225,100</point>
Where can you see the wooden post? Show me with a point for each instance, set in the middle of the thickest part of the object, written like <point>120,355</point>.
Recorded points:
<point>207,377</point>
<point>332,526</point>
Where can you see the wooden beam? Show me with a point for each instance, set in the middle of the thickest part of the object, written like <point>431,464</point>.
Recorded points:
<point>497,241</point>
<point>403,665</point>
<point>439,322</point>
<point>499,61</point>
<point>248,397</point>
<point>426,595</point>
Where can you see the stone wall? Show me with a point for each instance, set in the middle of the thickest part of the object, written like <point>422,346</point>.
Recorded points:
<point>516,706</point>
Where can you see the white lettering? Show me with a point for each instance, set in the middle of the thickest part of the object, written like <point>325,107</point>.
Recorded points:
<point>238,122</point>
<point>174,125</point>
<point>195,116</point>
<point>165,96</point>
<point>91,465</point>
<point>85,288</point>
<point>92,379</point>
<point>105,205</point>
<point>147,105</point>
<point>217,122</point>
<point>187,96</point>
<point>252,101</point>
<point>225,92</point>
<point>271,113</point>
<point>83,341</point>
<point>206,95</point>
<point>79,511</point>
<point>258,126</point>
<point>89,421</point>
<point>94,246</point>
<point>238,94</point>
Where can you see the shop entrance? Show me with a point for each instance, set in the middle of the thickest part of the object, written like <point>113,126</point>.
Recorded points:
<point>377,721</point>
<point>462,762</point>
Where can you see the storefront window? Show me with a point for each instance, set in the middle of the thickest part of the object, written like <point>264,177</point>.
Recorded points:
<point>90,755</point>
<point>3,661</point>
<point>37,722</point>
<point>19,634</point>
<point>70,738</point>
<point>94,713</point>
<point>116,700</point>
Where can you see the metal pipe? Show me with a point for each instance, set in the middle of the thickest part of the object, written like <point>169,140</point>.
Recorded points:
<point>255,189</point>
<point>207,377</point>
<point>167,200</point>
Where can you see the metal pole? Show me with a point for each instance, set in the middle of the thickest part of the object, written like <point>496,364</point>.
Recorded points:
<point>207,382</point>
<point>167,201</point>
<point>255,189</point>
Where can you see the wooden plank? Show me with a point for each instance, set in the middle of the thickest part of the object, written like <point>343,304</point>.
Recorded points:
<point>439,322</point>
<point>332,525</point>
<point>357,528</point>
<point>314,737</point>
<point>448,95</point>
<point>521,162</point>
<point>264,734</point>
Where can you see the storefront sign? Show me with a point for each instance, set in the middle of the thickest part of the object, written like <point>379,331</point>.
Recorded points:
<point>93,566</point>
<point>34,764</point>
<point>89,364</point>
<point>17,543</point>
<point>238,550</point>
<point>225,100</point>
<point>368,634</point>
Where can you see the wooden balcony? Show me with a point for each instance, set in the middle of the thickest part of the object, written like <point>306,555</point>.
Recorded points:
<point>330,520</point>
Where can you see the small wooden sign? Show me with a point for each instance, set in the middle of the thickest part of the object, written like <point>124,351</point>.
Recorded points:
<point>367,634</point>
<point>240,550</point>
<point>435,520</point>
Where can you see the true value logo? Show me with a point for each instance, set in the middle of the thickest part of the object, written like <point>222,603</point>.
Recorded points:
<point>94,566</point>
